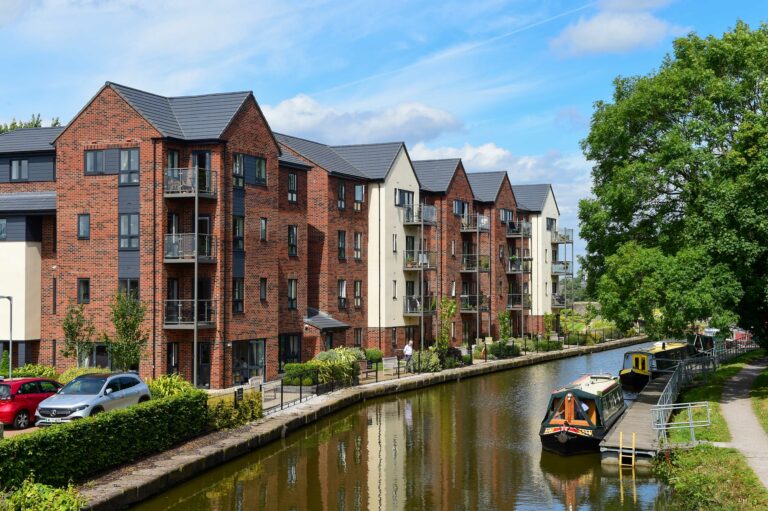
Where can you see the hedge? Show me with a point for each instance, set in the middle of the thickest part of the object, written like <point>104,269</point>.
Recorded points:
<point>79,449</point>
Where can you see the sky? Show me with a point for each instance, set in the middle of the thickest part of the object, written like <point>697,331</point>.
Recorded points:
<point>503,84</point>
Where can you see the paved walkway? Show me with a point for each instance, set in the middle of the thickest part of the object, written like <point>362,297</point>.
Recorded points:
<point>748,436</point>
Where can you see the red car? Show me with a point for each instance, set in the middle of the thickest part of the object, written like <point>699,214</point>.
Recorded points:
<point>19,398</point>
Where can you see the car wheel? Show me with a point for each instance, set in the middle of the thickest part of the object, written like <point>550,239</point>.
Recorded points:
<point>143,399</point>
<point>21,421</point>
<point>96,411</point>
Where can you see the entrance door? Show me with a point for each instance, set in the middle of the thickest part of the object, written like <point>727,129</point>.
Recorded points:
<point>247,360</point>
<point>204,364</point>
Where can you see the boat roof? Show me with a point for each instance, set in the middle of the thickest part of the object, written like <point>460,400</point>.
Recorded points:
<point>662,346</point>
<point>590,384</point>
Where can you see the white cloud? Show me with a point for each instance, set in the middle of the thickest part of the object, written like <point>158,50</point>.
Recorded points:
<point>633,5</point>
<point>304,116</point>
<point>11,9</point>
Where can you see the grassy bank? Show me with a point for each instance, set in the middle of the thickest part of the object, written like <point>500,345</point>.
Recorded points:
<point>712,390</point>
<point>712,478</point>
<point>760,399</point>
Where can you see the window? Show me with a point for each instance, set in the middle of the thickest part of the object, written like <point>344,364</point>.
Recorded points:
<point>460,208</point>
<point>453,329</point>
<point>83,290</point>
<point>238,294</point>
<point>293,237</point>
<point>506,215</point>
<point>394,336</point>
<point>358,293</point>
<point>173,159</point>
<point>546,254</point>
<point>292,301</point>
<point>358,337</point>
<point>410,333</point>
<point>19,170</point>
<point>129,231</point>
<point>453,288</point>
<point>238,232</point>
<point>394,290</point>
<point>342,294</point>
<point>84,227</point>
<point>238,171</point>
<point>3,229</point>
<point>551,224</point>
<point>94,162</point>
<point>358,241</point>
<point>263,229</point>
<point>453,248</point>
<point>53,297</point>
<point>263,289</point>
<point>501,252</point>
<point>342,244</point>
<point>359,197</point>
<point>293,187</point>
<point>394,242</point>
<point>342,202</point>
<point>403,198</point>
<point>129,287</point>
<point>261,171</point>
<point>129,166</point>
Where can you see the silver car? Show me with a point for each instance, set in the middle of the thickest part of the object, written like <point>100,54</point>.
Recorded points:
<point>91,394</point>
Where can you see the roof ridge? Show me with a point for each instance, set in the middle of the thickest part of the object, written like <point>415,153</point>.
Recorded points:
<point>301,138</point>
<point>487,172</point>
<point>34,128</point>
<point>212,94</point>
<point>135,89</point>
<point>175,118</point>
<point>438,159</point>
<point>534,184</point>
<point>371,143</point>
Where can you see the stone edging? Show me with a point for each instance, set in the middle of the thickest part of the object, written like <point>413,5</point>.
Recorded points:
<point>142,484</point>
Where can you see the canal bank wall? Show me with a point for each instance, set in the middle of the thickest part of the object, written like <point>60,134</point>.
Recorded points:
<point>146,478</point>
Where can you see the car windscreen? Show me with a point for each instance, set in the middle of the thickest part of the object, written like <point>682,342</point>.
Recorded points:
<point>83,387</point>
<point>5,391</point>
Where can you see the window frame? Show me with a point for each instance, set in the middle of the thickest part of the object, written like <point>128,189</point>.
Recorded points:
<point>23,170</point>
<point>129,286</point>
<point>238,233</point>
<point>260,178</point>
<point>238,171</point>
<point>130,237</point>
<point>358,293</point>
<point>293,240</point>
<point>80,234</point>
<point>293,300</point>
<point>263,225</point>
<point>360,198</point>
<point>341,244</point>
<point>98,156</point>
<point>341,198</point>
<point>358,337</point>
<point>357,246</point>
<point>238,295</point>
<point>4,230</point>
<point>83,284</point>
<point>293,187</point>
<point>341,287</point>
<point>129,176</point>
<point>263,289</point>
<point>394,242</point>
<point>394,289</point>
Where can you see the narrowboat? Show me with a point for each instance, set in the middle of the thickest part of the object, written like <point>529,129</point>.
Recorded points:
<point>580,414</point>
<point>643,365</point>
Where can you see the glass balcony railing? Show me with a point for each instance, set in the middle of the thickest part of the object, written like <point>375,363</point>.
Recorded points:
<point>416,305</point>
<point>562,235</point>
<point>474,262</point>
<point>181,248</point>
<point>416,215</point>
<point>183,182</point>
<point>558,301</point>
<point>518,228</point>
<point>473,303</point>
<point>419,260</point>
<point>180,314</point>
<point>519,301</point>
<point>561,268</point>
<point>517,265</point>
<point>470,223</point>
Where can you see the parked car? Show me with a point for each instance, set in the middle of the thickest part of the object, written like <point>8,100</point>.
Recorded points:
<point>19,399</point>
<point>91,394</point>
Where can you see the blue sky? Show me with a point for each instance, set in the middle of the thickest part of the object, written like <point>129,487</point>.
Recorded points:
<point>506,85</point>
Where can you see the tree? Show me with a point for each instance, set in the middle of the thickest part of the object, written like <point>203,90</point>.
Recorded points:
<point>681,188</point>
<point>78,334</point>
<point>505,327</point>
<point>130,339</point>
<point>34,122</point>
<point>447,313</point>
<point>549,324</point>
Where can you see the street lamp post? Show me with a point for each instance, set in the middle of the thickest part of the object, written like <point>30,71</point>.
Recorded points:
<point>10,336</point>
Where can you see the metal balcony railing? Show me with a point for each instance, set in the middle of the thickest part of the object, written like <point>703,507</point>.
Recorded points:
<point>517,265</point>
<point>182,182</point>
<point>474,262</point>
<point>418,260</point>
<point>562,235</point>
<point>561,268</point>
<point>414,215</point>
<point>180,314</point>
<point>473,303</point>
<point>416,305</point>
<point>519,301</point>
<point>558,300</point>
<point>518,228</point>
<point>522,254</point>
<point>471,223</point>
<point>180,248</point>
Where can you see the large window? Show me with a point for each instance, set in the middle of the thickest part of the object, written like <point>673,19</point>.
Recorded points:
<point>238,171</point>
<point>94,162</point>
<point>83,290</point>
<point>358,293</point>
<point>84,227</point>
<point>359,197</point>
<point>506,215</point>
<point>129,287</point>
<point>129,166</point>
<point>289,350</point>
<point>292,293</point>
<point>342,244</point>
<point>238,294</point>
<point>403,197</point>
<point>293,187</point>
<point>238,233</point>
<point>551,224</point>
<point>342,285</point>
<point>247,360</point>
<point>261,171</point>
<point>19,170</point>
<point>129,231</point>
<point>460,208</point>
<point>293,240</point>
<point>358,245</point>
<point>342,199</point>
<point>3,229</point>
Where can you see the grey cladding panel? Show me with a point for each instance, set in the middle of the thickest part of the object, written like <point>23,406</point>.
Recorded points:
<point>128,264</point>
<point>128,199</point>
<point>238,265</point>
<point>28,202</point>
<point>112,161</point>
<point>238,202</point>
<point>41,166</point>
<point>249,169</point>
<point>21,228</point>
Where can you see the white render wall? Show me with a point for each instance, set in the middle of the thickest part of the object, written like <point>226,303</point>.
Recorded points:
<point>20,278</point>
<point>384,265</point>
<point>541,250</point>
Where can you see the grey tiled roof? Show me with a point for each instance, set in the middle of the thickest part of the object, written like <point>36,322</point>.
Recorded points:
<point>24,202</point>
<point>292,161</point>
<point>531,197</point>
<point>374,160</point>
<point>202,117</point>
<point>321,155</point>
<point>323,321</point>
<point>436,175</point>
<point>486,185</point>
<point>29,140</point>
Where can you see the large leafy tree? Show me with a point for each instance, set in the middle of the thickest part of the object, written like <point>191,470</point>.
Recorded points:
<point>681,173</point>
<point>130,338</point>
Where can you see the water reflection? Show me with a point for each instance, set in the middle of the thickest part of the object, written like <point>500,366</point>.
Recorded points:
<point>465,446</point>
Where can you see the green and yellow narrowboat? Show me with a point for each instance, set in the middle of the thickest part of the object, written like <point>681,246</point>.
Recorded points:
<point>643,365</point>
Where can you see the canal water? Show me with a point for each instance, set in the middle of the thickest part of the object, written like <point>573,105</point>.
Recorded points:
<point>471,445</point>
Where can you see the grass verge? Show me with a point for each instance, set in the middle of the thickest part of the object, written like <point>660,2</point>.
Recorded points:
<point>760,399</point>
<point>711,390</point>
<point>711,478</point>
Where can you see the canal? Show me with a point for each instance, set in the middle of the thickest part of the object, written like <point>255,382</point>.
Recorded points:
<point>459,446</point>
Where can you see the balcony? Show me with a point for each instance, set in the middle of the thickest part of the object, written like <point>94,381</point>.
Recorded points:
<point>523,254</point>
<point>518,301</point>
<point>519,229</point>
<point>417,306</point>
<point>474,223</point>
<point>180,248</point>
<point>473,303</point>
<point>180,314</point>
<point>517,265</point>
<point>416,215</point>
<point>561,268</point>
<point>474,262</point>
<point>416,260</point>
<point>181,183</point>
<point>562,236</point>
<point>558,301</point>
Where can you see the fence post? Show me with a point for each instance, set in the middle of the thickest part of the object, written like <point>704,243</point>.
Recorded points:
<point>377,372</point>
<point>398,367</point>
<point>301,386</point>
<point>690,424</point>
<point>485,350</point>
<point>282,385</point>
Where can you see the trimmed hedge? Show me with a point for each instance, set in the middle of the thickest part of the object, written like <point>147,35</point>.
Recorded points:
<point>374,355</point>
<point>34,371</point>
<point>224,414</point>
<point>79,449</point>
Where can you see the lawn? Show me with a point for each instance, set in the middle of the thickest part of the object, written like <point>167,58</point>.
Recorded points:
<point>760,399</point>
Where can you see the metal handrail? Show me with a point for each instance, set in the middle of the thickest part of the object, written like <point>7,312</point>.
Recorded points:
<point>416,304</point>
<point>183,246</point>
<point>182,312</point>
<point>519,228</point>
<point>413,214</point>
<point>471,262</point>
<point>475,222</point>
<point>562,235</point>
<point>561,268</point>
<point>182,181</point>
<point>473,302</point>
<point>417,259</point>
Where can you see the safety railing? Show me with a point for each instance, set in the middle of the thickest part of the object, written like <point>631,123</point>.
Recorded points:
<point>475,222</point>
<point>518,228</point>
<point>474,262</point>
<point>416,215</point>
<point>419,260</point>
<point>562,235</point>
<point>182,182</point>
<point>182,247</point>
<point>181,314</point>
<point>518,265</point>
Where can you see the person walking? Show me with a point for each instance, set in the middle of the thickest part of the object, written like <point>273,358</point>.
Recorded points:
<point>408,352</point>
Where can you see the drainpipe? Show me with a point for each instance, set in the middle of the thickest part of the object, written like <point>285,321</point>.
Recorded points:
<point>378,188</point>
<point>154,258</point>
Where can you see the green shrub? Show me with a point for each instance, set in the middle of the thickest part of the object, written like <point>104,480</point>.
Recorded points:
<point>224,414</point>
<point>169,385</point>
<point>546,345</point>
<point>5,363</point>
<point>501,349</point>
<point>73,372</point>
<point>466,360</point>
<point>425,361</point>
<point>32,496</point>
<point>341,354</point>
<point>374,355</point>
<point>307,381</point>
<point>76,450</point>
<point>341,372</point>
<point>294,373</point>
<point>36,371</point>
